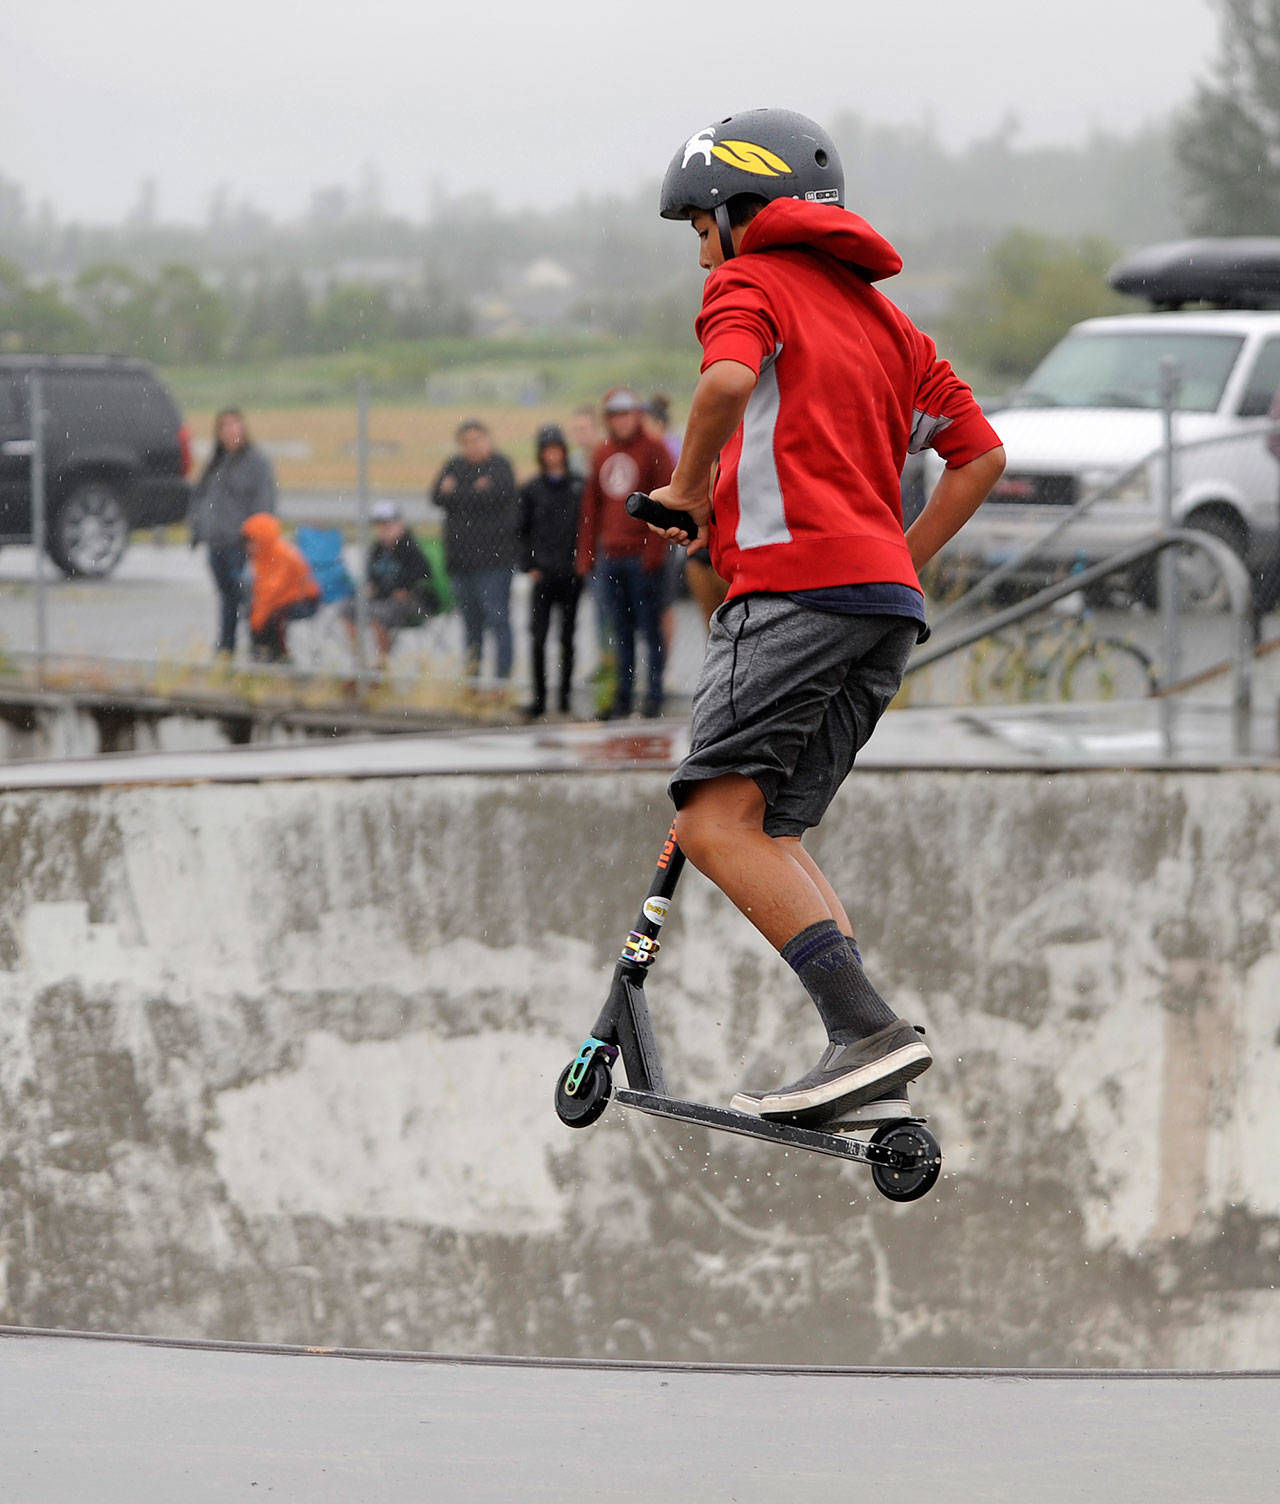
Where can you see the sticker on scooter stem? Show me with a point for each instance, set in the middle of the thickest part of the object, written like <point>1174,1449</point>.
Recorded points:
<point>640,950</point>
<point>655,910</point>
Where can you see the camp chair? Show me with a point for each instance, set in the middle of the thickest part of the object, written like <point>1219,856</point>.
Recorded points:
<point>321,547</point>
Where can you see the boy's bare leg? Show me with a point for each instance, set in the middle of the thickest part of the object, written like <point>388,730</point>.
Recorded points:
<point>783,892</point>
<point>834,907</point>
<point>720,829</point>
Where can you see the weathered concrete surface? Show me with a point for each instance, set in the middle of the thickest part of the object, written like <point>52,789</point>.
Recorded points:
<point>276,1064</point>
<point>122,1423</point>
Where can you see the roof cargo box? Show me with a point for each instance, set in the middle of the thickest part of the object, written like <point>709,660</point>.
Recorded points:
<point>1239,272</point>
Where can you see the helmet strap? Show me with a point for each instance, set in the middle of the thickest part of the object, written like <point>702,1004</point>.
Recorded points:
<point>726,234</point>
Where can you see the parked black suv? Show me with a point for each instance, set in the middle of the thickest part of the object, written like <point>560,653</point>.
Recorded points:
<point>116,456</point>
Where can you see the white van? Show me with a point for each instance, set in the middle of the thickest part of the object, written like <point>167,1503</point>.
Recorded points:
<point>1092,410</point>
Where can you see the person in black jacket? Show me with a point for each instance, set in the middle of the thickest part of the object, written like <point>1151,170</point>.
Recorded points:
<point>547,531</point>
<point>477,490</point>
<point>398,583</point>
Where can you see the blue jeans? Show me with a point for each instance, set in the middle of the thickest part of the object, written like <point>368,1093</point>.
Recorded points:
<point>226,563</point>
<point>634,596</point>
<point>484,598</point>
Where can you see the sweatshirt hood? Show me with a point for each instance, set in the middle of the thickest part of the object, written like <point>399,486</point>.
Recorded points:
<point>792,222</point>
<point>262,528</point>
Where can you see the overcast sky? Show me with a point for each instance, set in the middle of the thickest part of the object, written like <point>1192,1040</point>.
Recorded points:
<point>535,100</point>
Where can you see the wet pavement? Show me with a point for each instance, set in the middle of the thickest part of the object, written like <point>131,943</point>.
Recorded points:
<point>1145,734</point>
<point>149,1423</point>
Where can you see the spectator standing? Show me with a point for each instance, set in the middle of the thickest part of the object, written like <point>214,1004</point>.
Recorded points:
<point>284,589</point>
<point>547,530</point>
<point>630,555</point>
<point>398,584</point>
<point>477,491</point>
<point>237,482</point>
<point>658,423</point>
<point>1266,579</point>
<point>584,437</point>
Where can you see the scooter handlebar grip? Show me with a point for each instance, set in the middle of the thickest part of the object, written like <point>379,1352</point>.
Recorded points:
<point>644,509</point>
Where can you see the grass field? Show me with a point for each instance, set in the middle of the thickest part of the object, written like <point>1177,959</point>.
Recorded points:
<point>453,373</point>
<point>304,408</point>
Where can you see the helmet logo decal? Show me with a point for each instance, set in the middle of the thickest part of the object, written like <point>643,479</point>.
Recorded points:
<point>748,157</point>
<point>699,145</point>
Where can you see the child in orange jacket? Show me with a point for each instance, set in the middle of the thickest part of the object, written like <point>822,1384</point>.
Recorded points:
<point>284,589</point>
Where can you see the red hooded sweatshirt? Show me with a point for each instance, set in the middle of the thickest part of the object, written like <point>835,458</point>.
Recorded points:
<point>808,493</point>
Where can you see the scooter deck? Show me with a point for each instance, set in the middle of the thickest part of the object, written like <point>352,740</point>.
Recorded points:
<point>727,1120</point>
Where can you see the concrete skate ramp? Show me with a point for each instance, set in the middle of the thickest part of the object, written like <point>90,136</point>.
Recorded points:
<point>277,1058</point>
<point>121,1422</point>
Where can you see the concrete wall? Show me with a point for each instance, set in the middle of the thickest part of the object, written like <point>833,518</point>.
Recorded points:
<point>276,1063</point>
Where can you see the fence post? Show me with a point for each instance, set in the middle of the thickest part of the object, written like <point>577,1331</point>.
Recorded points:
<point>1167,576</point>
<point>38,520</point>
<point>362,523</point>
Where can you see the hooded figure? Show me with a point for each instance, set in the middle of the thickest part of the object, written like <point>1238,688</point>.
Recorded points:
<point>284,588</point>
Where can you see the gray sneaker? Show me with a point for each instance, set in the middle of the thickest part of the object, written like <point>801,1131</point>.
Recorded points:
<point>890,1108</point>
<point>849,1075</point>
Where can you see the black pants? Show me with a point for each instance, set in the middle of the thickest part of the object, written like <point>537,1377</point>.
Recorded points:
<point>268,640</point>
<point>226,563</point>
<point>559,591</point>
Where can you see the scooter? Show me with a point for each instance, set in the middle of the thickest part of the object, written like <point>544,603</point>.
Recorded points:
<point>904,1157</point>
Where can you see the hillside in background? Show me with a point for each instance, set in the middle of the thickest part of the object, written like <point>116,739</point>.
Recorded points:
<point>245,289</point>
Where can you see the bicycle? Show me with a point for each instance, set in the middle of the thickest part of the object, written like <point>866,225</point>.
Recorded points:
<point>1061,659</point>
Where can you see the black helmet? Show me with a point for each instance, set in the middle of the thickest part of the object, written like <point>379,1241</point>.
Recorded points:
<point>768,153</point>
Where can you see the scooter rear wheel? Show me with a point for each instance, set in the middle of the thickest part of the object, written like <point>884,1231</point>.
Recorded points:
<point>591,1098</point>
<point>919,1177</point>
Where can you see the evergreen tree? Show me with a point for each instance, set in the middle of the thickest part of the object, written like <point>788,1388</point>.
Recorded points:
<point>1227,141</point>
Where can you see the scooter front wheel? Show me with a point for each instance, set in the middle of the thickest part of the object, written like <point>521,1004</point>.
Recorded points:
<point>591,1098</point>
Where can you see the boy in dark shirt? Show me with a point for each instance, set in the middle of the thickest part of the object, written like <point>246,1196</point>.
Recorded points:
<point>397,579</point>
<point>547,533</point>
<point>814,388</point>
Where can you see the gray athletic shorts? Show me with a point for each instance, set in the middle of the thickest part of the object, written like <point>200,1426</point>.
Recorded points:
<point>788,696</point>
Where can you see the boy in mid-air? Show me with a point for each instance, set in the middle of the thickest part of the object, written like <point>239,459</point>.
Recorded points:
<point>814,388</point>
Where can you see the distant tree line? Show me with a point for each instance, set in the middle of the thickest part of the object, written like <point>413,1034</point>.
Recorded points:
<point>1006,243</point>
<point>176,315</point>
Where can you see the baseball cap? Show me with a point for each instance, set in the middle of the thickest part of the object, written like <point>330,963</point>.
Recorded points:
<point>622,400</point>
<point>384,511</point>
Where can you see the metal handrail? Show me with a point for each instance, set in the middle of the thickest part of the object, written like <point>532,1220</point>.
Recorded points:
<point>1084,504</point>
<point>1233,572</point>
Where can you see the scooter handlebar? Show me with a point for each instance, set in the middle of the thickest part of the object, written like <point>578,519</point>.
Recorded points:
<point>644,509</point>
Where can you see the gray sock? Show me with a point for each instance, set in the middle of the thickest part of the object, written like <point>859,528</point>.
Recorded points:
<point>830,970</point>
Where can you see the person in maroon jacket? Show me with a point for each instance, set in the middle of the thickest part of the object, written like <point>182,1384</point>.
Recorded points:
<point>814,388</point>
<point>629,555</point>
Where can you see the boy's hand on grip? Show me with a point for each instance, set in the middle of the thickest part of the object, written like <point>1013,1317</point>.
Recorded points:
<point>676,518</point>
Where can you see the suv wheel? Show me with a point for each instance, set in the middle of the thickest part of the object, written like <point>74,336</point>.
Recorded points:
<point>1202,585</point>
<point>89,531</point>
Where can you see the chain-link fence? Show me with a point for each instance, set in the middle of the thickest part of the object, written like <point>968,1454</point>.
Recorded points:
<point>150,621</point>
<point>1081,483</point>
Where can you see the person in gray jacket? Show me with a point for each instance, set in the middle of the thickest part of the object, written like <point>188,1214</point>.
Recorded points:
<point>237,482</point>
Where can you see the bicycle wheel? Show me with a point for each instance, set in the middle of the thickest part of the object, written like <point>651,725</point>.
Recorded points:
<point>986,673</point>
<point>1010,670</point>
<point>1108,668</point>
